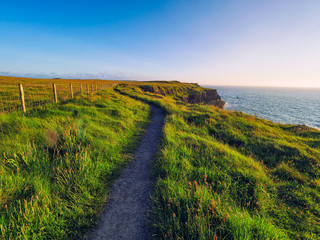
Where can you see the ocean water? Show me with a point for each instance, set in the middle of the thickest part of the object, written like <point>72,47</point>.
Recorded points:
<point>280,105</point>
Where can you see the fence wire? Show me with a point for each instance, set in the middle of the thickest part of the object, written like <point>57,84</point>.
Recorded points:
<point>9,98</point>
<point>36,95</point>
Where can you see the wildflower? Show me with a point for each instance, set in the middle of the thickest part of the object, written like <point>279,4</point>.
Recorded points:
<point>215,236</point>
<point>196,184</point>
<point>227,216</point>
<point>205,178</point>
<point>213,203</point>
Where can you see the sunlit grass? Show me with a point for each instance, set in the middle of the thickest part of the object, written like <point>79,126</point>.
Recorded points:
<point>219,174</point>
<point>228,175</point>
<point>38,92</point>
<point>57,162</point>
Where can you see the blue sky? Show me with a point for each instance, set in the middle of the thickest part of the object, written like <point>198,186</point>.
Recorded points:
<point>218,42</point>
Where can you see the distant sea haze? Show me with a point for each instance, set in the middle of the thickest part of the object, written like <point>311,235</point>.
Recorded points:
<point>280,105</point>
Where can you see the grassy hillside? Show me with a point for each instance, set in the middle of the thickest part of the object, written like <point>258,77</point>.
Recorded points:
<point>228,175</point>
<point>181,92</point>
<point>57,162</point>
<point>38,92</point>
<point>219,174</point>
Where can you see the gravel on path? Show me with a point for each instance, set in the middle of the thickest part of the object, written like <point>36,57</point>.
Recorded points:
<point>128,202</point>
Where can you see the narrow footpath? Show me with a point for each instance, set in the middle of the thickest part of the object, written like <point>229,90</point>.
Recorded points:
<point>124,216</point>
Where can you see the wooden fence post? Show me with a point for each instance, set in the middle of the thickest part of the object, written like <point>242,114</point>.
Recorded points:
<point>55,97</point>
<point>87,89</point>
<point>23,104</point>
<point>81,89</point>
<point>71,91</point>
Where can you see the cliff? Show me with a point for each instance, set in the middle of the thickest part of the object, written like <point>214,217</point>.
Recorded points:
<point>208,96</point>
<point>186,92</point>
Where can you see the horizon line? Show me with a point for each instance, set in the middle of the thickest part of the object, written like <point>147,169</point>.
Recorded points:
<point>201,84</point>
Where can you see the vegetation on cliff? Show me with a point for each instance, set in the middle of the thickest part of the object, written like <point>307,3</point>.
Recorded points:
<point>219,174</point>
<point>185,92</point>
<point>228,175</point>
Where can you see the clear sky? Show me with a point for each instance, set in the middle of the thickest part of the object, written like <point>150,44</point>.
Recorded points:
<point>217,42</point>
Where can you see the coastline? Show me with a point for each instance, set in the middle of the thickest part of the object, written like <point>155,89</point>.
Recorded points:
<point>280,105</point>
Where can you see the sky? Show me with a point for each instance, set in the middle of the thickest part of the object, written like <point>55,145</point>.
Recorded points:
<point>211,42</point>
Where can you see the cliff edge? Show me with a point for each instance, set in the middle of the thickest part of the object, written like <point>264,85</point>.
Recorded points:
<point>186,92</point>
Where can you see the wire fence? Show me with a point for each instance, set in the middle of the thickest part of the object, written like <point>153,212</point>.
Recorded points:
<point>23,96</point>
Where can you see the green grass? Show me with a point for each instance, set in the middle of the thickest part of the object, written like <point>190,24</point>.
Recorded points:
<point>229,175</point>
<point>57,162</point>
<point>219,174</point>
<point>180,92</point>
<point>38,92</point>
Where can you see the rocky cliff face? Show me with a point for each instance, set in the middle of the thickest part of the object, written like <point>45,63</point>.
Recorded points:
<point>204,97</point>
<point>193,94</point>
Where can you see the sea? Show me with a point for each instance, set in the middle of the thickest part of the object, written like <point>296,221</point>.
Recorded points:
<point>280,105</point>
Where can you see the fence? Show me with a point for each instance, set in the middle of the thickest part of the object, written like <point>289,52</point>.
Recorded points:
<point>23,96</point>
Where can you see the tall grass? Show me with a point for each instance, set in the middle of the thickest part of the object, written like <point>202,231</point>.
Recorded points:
<point>219,174</point>
<point>228,175</point>
<point>38,94</point>
<point>57,162</point>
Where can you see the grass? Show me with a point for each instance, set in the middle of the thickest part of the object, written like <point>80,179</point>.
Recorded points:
<point>228,175</point>
<point>180,92</point>
<point>57,162</point>
<point>39,92</point>
<point>219,174</point>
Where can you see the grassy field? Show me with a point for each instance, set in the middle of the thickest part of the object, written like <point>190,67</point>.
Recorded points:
<point>219,174</point>
<point>58,160</point>
<point>228,175</point>
<point>39,92</point>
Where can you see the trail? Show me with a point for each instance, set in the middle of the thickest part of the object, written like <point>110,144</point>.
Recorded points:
<point>124,216</point>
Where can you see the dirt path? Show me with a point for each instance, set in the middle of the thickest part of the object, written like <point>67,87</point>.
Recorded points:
<point>125,213</point>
